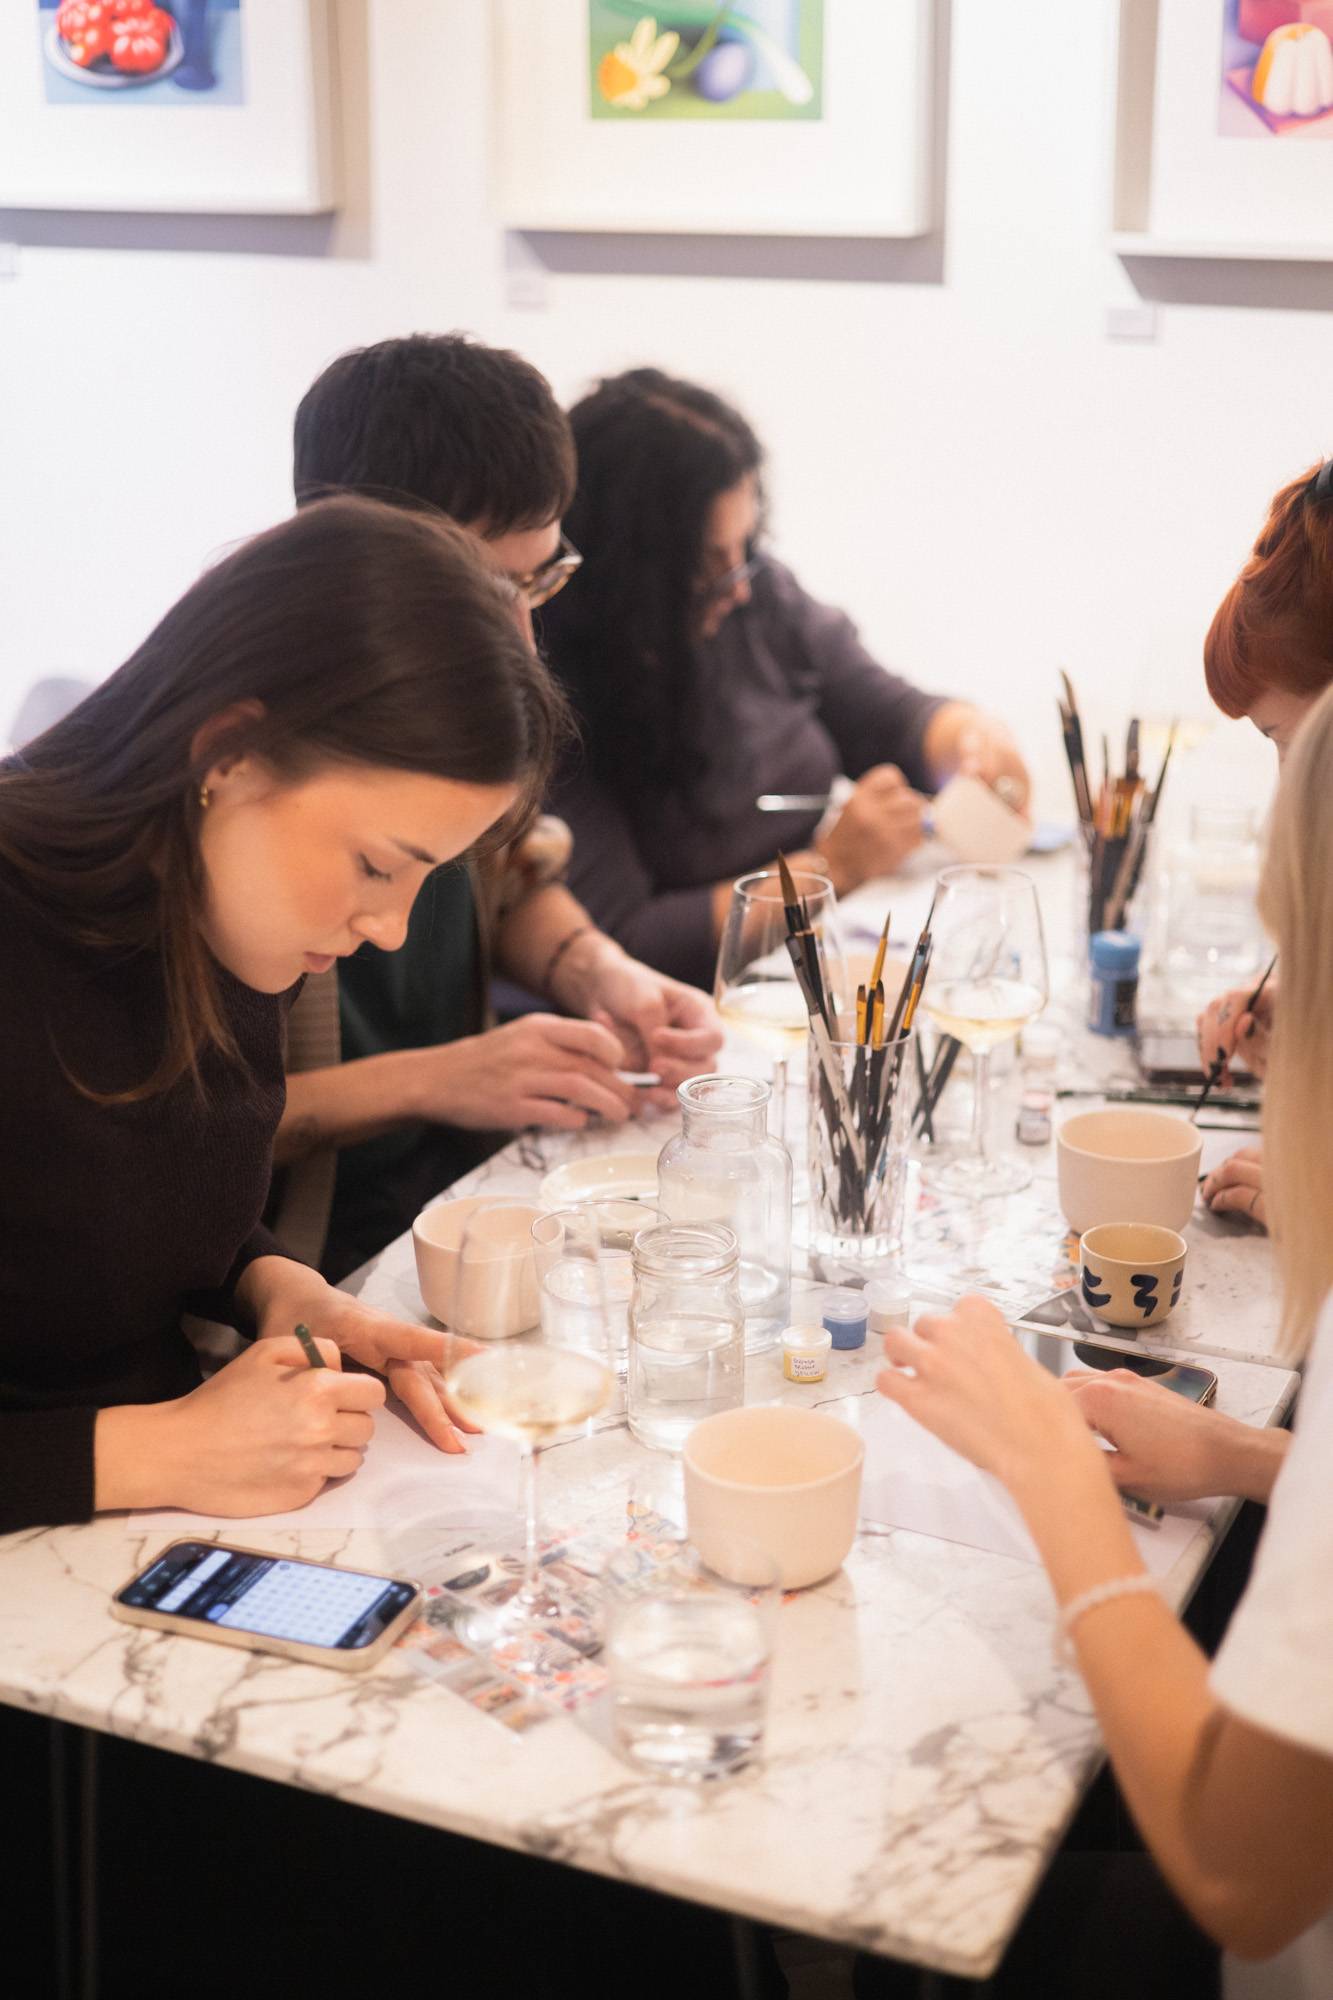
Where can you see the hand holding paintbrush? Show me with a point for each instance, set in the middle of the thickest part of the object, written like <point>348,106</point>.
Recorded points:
<point>1219,1061</point>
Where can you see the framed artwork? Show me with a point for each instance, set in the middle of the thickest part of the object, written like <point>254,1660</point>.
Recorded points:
<point>188,105</point>
<point>1224,129</point>
<point>768,117</point>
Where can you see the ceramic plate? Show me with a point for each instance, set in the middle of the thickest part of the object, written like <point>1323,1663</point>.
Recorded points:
<point>113,79</point>
<point>631,1176</point>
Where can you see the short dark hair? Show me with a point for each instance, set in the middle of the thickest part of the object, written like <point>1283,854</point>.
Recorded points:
<point>654,452</point>
<point>438,420</point>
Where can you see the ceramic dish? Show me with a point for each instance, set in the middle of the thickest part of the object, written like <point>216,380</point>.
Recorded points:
<point>113,79</point>
<point>626,1176</point>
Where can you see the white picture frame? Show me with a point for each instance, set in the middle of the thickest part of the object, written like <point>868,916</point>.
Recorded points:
<point>271,153</point>
<point>862,169</point>
<point>1181,187</point>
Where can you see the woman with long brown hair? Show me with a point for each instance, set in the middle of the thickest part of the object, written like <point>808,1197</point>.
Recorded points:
<point>330,712</point>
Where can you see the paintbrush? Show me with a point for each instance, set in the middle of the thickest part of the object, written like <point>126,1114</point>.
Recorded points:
<point>800,928</point>
<point>1219,1061</point>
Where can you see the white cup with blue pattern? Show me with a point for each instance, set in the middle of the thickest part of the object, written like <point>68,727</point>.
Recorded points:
<point>1131,1273</point>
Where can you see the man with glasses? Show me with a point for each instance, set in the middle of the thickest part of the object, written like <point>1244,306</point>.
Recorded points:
<point>398,1080</point>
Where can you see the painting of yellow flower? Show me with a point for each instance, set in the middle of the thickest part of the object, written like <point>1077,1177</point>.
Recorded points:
<point>630,74</point>
<point>698,59</point>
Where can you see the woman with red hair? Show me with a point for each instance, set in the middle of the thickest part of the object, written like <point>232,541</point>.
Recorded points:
<point>1269,656</point>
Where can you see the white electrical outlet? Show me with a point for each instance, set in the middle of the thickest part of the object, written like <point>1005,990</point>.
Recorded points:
<point>1137,322</point>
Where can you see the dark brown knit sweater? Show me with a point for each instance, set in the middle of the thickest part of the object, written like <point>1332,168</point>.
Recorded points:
<point>113,1220</point>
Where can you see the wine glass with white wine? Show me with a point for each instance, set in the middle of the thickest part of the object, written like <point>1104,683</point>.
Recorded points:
<point>987,979</point>
<point>530,1391</point>
<point>755,987</point>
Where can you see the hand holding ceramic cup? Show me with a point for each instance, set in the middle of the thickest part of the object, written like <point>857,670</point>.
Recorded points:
<point>1131,1273</point>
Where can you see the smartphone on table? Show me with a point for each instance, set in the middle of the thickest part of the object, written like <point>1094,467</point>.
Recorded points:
<point>274,1604</point>
<point>1062,1353</point>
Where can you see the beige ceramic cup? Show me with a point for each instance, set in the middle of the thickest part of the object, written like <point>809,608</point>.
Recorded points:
<point>788,1480</point>
<point>496,1294</point>
<point>1130,1273</point>
<point>1127,1165</point>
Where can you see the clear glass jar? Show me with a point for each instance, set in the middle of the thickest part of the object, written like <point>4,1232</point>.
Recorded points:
<point>725,1167</point>
<point>686,1331</point>
<point>1213,935</point>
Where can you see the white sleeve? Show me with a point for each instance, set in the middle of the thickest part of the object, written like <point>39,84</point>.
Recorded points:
<point>1275,1665</point>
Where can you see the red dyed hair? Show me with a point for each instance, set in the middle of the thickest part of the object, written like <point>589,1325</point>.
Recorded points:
<point>1274,627</point>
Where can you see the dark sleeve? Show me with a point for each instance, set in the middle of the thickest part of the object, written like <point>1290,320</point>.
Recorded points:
<point>223,1305</point>
<point>48,1461</point>
<point>874,716</point>
<point>671,929</point>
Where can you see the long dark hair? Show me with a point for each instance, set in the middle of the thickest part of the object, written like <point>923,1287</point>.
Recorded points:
<point>357,633</point>
<point>653,454</point>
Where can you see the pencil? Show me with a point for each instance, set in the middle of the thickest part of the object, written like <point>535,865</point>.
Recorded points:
<point>311,1352</point>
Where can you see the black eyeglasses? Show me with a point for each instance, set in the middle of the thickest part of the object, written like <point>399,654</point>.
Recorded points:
<point>540,585</point>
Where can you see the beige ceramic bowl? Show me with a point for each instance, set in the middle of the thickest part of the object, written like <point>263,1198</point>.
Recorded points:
<point>1127,1166</point>
<point>1131,1272</point>
<point>497,1295</point>
<point>788,1480</point>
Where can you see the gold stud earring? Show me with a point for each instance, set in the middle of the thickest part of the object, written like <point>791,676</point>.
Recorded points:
<point>203,798</point>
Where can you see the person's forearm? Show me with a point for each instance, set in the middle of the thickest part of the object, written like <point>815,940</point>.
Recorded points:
<point>355,1100</point>
<point>532,935</point>
<point>1254,1458</point>
<point>1146,1676</point>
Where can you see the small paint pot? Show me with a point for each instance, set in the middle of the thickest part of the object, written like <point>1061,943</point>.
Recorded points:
<point>1131,1273</point>
<point>845,1317</point>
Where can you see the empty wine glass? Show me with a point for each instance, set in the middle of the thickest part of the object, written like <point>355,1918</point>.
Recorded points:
<point>987,978</point>
<point>755,986</point>
<point>530,1391</point>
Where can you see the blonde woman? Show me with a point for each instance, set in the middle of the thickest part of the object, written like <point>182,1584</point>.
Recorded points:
<point>1227,1768</point>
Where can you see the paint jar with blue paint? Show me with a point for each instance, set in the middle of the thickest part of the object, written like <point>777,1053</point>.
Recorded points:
<point>1113,959</point>
<point>846,1317</point>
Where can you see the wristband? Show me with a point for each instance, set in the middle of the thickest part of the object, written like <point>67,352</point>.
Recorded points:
<point>579,930</point>
<point>1089,1600</point>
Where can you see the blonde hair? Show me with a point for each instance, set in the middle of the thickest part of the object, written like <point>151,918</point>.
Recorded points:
<point>1296,902</point>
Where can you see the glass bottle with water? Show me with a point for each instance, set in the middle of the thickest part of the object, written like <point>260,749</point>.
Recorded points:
<point>1214,938</point>
<point>724,1167</point>
<point>686,1331</point>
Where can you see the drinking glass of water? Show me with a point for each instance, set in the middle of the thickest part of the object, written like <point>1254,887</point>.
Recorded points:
<point>688,1651</point>
<point>585,1270</point>
<point>686,1331</point>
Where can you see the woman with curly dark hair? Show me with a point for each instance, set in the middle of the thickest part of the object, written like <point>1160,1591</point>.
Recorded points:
<point>703,675</point>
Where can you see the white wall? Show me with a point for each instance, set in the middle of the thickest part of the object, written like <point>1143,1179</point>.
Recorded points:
<point>967,461</point>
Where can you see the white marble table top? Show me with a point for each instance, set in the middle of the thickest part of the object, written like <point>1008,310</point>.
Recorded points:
<point>924,1752</point>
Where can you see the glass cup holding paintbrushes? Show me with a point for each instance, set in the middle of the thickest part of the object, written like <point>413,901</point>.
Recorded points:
<point>758,984</point>
<point>862,1100</point>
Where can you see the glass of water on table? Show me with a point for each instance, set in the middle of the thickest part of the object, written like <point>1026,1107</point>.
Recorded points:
<point>689,1649</point>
